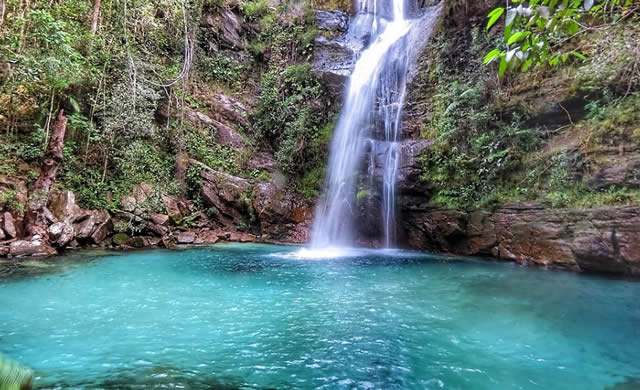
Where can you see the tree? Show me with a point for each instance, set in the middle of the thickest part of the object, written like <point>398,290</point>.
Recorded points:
<point>2,9</point>
<point>535,31</point>
<point>36,222</point>
<point>94,16</point>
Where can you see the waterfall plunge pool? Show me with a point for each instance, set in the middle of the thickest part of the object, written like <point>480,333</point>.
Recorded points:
<point>254,316</point>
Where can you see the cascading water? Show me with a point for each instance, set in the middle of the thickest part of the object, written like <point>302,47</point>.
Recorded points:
<point>370,117</point>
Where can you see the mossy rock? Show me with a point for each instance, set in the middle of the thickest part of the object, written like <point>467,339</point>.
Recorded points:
<point>120,238</point>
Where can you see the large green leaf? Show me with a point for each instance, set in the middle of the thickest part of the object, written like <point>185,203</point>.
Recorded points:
<point>494,16</point>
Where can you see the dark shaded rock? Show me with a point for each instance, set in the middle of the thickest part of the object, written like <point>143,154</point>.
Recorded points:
<point>228,194</point>
<point>103,230</point>
<point>141,242</point>
<point>4,250</point>
<point>168,241</point>
<point>9,226</point>
<point>333,61</point>
<point>36,247</point>
<point>48,215</point>
<point>605,239</point>
<point>283,215</point>
<point>622,172</point>
<point>332,21</point>
<point>158,229</point>
<point>186,237</point>
<point>226,27</point>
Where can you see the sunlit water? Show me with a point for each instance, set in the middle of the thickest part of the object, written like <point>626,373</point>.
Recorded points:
<point>255,316</point>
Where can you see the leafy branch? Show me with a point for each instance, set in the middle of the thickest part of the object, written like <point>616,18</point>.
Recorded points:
<point>536,30</point>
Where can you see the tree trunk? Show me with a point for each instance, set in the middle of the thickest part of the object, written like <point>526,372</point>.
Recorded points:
<point>94,16</point>
<point>3,5</point>
<point>36,222</point>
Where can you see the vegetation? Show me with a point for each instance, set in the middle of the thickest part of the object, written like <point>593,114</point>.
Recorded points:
<point>537,32</point>
<point>492,140</point>
<point>129,81</point>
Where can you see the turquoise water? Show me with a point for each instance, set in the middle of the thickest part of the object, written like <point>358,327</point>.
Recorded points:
<point>244,316</point>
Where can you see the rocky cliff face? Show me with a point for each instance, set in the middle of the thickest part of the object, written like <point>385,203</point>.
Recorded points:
<point>577,152</point>
<point>604,239</point>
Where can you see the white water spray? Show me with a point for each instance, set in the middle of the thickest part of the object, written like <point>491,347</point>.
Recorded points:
<point>373,107</point>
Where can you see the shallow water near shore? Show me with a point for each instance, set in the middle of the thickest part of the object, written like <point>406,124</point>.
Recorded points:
<point>257,316</point>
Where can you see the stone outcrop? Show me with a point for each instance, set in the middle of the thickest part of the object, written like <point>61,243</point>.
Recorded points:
<point>283,216</point>
<point>228,194</point>
<point>334,56</point>
<point>605,239</point>
<point>226,27</point>
<point>34,247</point>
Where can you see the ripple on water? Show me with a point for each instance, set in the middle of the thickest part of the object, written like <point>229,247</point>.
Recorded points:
<point>253,316</point>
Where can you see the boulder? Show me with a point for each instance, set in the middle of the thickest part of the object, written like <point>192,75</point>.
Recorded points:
<point>228,194</point>
<point>332,21</point>
<point>88,226</point>
<point>61,233</point>
<point>226,135</point>
<point>2,235</point>
<point>30,248</point>
<point>128,203</point>
<point>263,161</point>
<point>4,250</point>
<point>242,237</point>
<point>9,226</point>
<point>186,237</point>
<point>158,229</point>
<point>160,219</point>
<point>102,231</point>
<point>206,236</point>
<point>63,207</point>
<point>229,110</point>
<point>621,172</point>
<point>226,27</point>
<point>141,242</point>
<point>283,215</point>
<point>173,209</point>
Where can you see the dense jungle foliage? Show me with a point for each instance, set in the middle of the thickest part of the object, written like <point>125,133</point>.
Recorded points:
<point>132,80</point>
<point>547,130</point>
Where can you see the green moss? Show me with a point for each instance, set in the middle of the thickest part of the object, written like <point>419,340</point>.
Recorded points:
<point>311,183</point>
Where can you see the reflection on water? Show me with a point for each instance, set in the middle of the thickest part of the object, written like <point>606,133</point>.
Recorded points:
<point>253,316</point>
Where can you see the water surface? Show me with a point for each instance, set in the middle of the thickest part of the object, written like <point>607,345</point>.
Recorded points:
<point>249,316</point>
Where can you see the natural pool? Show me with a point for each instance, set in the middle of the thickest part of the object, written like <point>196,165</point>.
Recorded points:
<point>243,316</point>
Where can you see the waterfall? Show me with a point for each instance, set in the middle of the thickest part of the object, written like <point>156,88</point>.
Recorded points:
<point>372,112</point>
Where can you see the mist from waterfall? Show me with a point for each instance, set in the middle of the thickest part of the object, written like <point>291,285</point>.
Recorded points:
<point>369,123</point>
